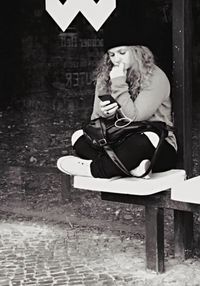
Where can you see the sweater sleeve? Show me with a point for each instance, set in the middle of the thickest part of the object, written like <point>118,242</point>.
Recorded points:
<point>147,101</point>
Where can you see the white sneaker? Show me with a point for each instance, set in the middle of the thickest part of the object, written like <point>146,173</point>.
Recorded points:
<point>141,169</point>
<point>74,166</point>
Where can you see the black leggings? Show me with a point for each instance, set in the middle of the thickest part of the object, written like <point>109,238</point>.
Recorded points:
<point>131,152</point>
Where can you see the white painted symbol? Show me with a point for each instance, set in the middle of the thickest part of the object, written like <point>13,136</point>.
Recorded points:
<point>95,13</point>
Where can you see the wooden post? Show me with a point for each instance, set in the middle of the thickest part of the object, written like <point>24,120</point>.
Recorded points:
<point>183,229</point>
<point>182,80</point>
<point>66,185</point>
<point>182,98</point>
<point>154,223</point>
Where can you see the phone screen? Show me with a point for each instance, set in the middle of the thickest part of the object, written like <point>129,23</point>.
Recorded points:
<point>105,97</point>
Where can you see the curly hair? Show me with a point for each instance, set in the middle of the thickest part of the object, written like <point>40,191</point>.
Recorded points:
<point>137,79</point>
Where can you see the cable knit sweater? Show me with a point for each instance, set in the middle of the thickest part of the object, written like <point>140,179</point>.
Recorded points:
<point>152,103</point>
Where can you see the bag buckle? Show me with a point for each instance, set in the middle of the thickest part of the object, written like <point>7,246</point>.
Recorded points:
<point>102,142</point>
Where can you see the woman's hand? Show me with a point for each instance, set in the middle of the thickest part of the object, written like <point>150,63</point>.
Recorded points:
<point>108,109</point>
<point>118,70</point>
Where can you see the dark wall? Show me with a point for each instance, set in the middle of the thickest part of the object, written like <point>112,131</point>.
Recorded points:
<point>37,56</point>
<point>46,89</point>
<point>10,51</point>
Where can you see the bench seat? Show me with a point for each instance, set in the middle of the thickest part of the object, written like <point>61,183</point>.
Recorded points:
<point>188,191</point>
<point>130,185</point>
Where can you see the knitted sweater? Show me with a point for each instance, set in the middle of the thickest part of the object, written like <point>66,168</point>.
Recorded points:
<point>152,103</point>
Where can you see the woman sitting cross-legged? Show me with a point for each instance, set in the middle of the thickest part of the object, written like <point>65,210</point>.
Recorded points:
<point>130,75</point>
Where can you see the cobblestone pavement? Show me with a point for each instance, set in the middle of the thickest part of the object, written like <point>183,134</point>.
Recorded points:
<point>56,255</point>
<point>36,254</point>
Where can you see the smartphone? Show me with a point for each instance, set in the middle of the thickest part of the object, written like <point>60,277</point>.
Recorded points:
<point>107,96</point>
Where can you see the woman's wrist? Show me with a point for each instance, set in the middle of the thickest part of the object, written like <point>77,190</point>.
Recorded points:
<point>118,71</point>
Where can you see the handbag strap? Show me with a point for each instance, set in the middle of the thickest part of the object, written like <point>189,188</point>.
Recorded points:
<point>155,155</point>
<point>116,160</point>
<point>121,166</point>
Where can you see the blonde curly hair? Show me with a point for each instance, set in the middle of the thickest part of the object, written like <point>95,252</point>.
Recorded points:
<point>137,79</point>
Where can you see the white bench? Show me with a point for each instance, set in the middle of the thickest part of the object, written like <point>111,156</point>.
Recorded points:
<point>187,191</point>
<point>155,195</point>
<point>157,183</point>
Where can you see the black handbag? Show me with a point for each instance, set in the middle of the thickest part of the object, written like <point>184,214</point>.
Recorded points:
<point>104,133</point>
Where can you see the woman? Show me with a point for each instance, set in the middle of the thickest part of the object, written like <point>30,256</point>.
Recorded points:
<point>142,89</point>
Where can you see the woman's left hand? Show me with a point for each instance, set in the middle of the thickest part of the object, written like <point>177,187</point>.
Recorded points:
<point>108,109</point>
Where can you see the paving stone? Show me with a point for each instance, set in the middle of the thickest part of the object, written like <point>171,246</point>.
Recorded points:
<point>14,283</point>
<point>43,283</point>
<point>29,284</point>
<point>73,279</point>
<point>4,283</point>
<point>104,276</point>
<point>76,284</point>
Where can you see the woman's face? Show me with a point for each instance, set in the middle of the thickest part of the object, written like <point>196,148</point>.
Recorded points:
<point>120,55</point>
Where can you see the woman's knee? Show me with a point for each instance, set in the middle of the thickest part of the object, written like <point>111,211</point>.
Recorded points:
<point>153,138</point>
<point>82,147</point>
<point>75,136</point>
<point>135,149</point>
<point>166,159</point>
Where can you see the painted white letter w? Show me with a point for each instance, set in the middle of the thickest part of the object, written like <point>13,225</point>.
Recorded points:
<point>95,13</point>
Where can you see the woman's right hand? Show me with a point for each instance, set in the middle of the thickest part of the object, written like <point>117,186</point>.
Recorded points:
<point>118,70</point>
<point>108,109</point>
